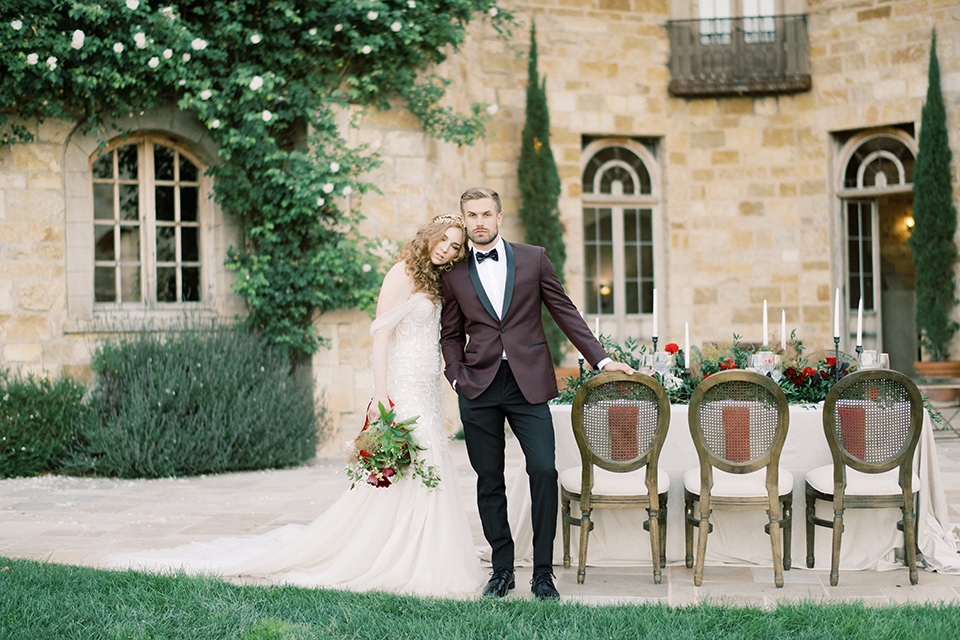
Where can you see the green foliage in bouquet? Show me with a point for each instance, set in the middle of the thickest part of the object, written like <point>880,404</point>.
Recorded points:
<point>386,451</point>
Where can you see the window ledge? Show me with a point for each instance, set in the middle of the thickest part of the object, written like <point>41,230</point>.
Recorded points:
<point>140,320</point>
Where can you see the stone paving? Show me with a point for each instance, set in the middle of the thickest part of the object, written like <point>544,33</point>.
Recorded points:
<point>79,520</point>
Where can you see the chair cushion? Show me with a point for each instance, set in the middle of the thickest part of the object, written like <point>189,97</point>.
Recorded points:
<point>743,485</point>
<point>859,483</point>
<point>610,483</point>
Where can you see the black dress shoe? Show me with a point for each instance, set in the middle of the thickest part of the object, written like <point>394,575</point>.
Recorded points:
<point>500,582</point>
<point>542,586</point>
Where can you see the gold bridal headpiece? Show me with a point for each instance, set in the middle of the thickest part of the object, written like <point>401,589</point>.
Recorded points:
<point>457,220</point>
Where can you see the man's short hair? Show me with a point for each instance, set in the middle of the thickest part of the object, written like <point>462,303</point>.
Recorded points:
<point>479,193</point>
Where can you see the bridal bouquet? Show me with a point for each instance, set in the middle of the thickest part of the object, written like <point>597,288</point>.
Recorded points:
<point>385,451</point>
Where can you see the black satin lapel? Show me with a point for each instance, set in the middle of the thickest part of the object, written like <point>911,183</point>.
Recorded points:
<point>511,277</point>
<point>475,277</point>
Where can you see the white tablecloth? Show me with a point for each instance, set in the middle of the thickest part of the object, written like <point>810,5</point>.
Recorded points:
<point>870,539</point>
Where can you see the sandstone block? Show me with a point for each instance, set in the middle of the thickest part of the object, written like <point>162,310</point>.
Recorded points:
<point>35,157</point>
<point>34,206</point>
<point>22,353</point>
<point>707,139</point>
<point>41,296</point>
<point>79,372</point>
<point>402,143</point>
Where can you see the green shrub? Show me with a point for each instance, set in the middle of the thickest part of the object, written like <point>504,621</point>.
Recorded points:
<point>38,420</point>
<point>194,401</point>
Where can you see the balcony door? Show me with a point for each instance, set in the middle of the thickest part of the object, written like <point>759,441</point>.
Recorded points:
<point>621,227</point>
<point>717,24</point>
<point>877,204</point>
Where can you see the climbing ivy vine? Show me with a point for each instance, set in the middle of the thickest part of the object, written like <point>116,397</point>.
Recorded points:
<point>270,79</point>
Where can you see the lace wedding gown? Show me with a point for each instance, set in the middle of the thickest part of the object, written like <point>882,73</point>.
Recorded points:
<point>405,538</point>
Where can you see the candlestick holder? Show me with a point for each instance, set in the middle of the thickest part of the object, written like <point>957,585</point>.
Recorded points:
<point>836,357</point>
<point>654,344</point>
<point>580,377</point>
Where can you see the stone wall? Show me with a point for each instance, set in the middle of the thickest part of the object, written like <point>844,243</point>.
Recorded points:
<point>748,207</point>
<point>48,323</point>
<point>32,283</point>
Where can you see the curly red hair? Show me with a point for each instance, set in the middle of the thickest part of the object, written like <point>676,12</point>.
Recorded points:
<point>416,254</point>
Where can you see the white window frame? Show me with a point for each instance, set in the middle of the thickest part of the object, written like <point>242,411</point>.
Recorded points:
<point>620,324</point>
<point>148,224</point>
<point>867,195</point>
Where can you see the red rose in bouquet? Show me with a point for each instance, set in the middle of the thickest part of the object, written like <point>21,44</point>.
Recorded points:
<point>385,451</point>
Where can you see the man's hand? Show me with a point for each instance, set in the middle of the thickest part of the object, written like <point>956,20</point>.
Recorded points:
<point>613,365</point>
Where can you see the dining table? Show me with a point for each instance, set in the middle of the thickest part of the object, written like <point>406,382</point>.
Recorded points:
<point>870,540</point>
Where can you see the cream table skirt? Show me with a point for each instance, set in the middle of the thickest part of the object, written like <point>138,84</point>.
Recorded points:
<point>870,540</point>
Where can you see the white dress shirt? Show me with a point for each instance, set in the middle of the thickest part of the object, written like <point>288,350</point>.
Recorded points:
<point>493,276</point>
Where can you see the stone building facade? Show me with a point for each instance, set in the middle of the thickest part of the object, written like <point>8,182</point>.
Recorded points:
<point>750,197</point>
<point>720,201</point>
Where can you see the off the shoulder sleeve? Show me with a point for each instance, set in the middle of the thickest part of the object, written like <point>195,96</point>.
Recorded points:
<point>385,323</point>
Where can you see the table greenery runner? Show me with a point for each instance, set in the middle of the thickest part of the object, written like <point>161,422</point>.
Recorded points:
<point>804,379</point>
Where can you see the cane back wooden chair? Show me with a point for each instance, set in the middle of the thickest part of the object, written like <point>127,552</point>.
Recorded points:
<point>738,422</point>
<point>872,420</point>
<point>620,422</point>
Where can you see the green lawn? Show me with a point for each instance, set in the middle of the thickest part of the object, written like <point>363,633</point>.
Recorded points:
<point>41,600</point>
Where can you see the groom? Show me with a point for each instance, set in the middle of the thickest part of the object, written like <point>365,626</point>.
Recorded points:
<point>498,361</point>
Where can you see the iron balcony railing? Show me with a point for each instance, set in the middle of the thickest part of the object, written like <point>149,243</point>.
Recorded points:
<point>739,56</point>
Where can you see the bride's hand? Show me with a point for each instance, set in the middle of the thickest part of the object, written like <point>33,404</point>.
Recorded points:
<point>373,411</point>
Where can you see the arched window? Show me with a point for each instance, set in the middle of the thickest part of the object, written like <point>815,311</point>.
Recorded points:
<point>147,224</point>
<point>878,166</point>
<point>882,161</point>
<point>620,205</point>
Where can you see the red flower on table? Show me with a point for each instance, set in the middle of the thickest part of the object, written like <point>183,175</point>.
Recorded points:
<point>728,363</point>
<point>799,376</point>
<point>672,348</point>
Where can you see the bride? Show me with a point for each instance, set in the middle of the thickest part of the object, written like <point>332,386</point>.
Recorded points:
<point>405,538</point>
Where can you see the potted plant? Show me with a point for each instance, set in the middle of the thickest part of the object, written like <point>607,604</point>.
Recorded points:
<point>932,242</point>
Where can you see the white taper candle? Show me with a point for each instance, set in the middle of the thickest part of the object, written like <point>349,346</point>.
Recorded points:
<point>783,329</point>
<point>836,315</point>
<point>763,342</point>
<point>860,323</point>
<point>655,334</point>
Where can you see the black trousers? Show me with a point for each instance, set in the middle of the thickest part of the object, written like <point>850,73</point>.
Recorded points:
<point>483,428</point>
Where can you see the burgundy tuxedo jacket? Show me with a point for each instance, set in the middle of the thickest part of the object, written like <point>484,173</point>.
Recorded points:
<point>473,339</point>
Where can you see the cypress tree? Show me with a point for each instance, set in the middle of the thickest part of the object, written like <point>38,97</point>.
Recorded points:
<point>540,187</point>
<point>932,242</point>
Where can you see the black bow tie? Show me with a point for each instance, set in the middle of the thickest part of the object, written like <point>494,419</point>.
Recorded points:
<point>492,254</point>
